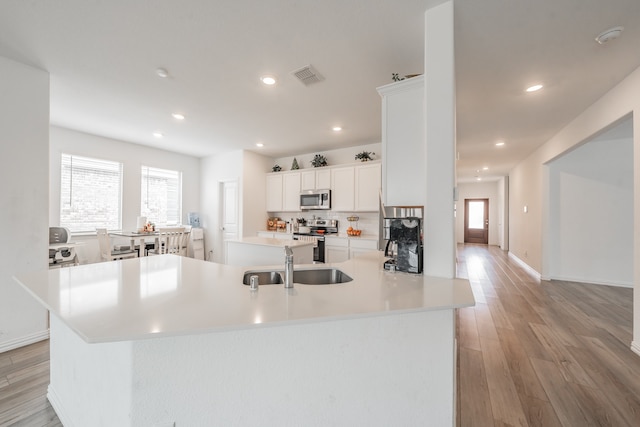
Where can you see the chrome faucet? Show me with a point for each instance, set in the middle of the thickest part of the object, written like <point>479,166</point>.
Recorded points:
<point>288,267</point>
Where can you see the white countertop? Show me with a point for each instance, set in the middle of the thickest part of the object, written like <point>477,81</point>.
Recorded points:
<point>267,241</point>
<point>169,295</point>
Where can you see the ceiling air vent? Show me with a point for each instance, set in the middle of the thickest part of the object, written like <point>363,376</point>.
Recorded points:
<point>308,75</point>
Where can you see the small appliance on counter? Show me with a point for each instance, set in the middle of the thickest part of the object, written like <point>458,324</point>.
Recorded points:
<point>401,230</point>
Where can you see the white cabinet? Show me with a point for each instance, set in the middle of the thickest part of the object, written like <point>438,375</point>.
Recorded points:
<point>336,249</point>
<point>274,193</point>
<point>283,192</point>
<point>339,249</point>
<point>318,179</point>
<point>342,189</point>
<point>291,192</point>
<point>361,246</point>
<point>403,143</point>
<point>367,187</point>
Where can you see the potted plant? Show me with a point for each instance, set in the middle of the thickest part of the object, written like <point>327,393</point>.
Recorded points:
<point>318,161</point>
<point>294,165</point>
<point>365,156</point>
<point>276,168</point>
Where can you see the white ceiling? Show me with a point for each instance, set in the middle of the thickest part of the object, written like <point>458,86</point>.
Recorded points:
<point>102,57</point>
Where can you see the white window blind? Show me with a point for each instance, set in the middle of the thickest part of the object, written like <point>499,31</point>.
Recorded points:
<point>161,196</point>
<point>90,194</point>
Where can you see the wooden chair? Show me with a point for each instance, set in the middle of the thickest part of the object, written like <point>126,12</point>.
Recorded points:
<point>184,245</point>
<point>169,241</point>
<point>107,253</point>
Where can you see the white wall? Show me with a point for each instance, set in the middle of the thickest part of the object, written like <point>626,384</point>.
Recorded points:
<point>480,190</point>
<point>133,157</point>
<point>338,156</point>
<point>249,170</point>
<point>526,181</point>
<point>591,203</point>
<point>254,199</point>
<point>24,145</point>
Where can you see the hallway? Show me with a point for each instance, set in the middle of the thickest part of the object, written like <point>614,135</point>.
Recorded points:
<point>534,353</point>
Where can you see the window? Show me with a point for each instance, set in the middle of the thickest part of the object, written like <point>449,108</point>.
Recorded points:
<point>90,194</point>
<point>161,196</point>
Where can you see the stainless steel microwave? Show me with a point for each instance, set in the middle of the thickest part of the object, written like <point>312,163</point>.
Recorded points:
<point>315,199</point>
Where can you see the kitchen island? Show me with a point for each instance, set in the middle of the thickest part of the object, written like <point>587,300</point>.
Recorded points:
<point>168,339</point>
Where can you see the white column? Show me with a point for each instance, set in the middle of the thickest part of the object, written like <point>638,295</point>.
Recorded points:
<point>439,227</point>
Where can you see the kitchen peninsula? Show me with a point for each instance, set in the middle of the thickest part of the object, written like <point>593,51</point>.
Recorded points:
<point>159,340</point>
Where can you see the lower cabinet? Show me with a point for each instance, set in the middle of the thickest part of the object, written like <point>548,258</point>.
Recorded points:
<point>339,249</point>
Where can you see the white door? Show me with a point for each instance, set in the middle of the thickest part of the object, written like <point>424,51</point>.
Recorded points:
<point>228,213</point>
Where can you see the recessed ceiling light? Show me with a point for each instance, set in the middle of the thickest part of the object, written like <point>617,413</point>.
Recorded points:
<point>268,80</point>
<point>259,144</point>
<point>162,72</point>
<point>534,88</point>
<point>478,178</point>
<point>178,116</point>
<point>610,34</point>
<point>336,128</point>
<point>499,143</point>
<point>486,168</point>
<point>158,134</point>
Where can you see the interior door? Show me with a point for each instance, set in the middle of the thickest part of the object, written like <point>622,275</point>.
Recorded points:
<point>228,212</point>
<point>476,221</point>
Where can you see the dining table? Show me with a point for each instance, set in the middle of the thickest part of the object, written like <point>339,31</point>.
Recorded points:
<point>140,236</point>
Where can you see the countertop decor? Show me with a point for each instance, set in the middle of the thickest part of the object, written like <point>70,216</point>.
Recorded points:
<point>318,161</point>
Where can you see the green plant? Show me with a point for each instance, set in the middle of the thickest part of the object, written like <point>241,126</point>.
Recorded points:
<point>365,155</point>
<point>276,168</point>
<point>396,78</point>
<point>294,165</point>
<point>319,160</point>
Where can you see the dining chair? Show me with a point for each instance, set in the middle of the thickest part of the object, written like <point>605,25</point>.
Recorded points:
<point>107,253</point>
<point>184,245</point>
<point>169,241</point>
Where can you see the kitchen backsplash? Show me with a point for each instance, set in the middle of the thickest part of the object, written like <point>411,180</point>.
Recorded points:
<point>368,221</point>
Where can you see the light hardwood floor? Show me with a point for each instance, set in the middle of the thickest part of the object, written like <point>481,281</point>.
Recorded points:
<point>530,353</point>
<point>548,353</point>
<point>24,377</point>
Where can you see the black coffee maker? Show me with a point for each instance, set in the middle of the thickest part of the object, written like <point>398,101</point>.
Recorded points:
<point>404,244</point>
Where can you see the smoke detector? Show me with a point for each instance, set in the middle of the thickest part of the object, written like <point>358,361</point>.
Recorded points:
<point>307,75</point>
<point>611,34</point>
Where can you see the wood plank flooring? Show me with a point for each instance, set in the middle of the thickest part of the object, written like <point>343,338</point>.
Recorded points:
<point>24,377</point>
<point>530,353</point>
<point>548,353</point>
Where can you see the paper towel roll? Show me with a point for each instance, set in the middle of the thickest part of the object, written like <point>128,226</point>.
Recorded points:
<point>142,221</point>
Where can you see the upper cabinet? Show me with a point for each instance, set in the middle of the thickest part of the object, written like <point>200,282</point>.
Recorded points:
<point>367,188</point>
<point>291,192</point>
<point>354,188</point>
<point>342,190</point>
<point>316,179</point>
<point>274,192</point>
<point>403,143</point>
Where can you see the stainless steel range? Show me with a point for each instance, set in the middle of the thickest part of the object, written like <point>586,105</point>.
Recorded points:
<point>318,229</point>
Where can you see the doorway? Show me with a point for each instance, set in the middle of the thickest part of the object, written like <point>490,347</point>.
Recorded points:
<point>229,218</point>
<point>476,221</point>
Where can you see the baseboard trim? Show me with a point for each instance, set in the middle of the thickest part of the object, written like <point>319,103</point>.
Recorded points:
<point>591,282</point>
<point>22,341</point>
<point>635,347</point>
<point>57,407</point>
<point>526,266</point>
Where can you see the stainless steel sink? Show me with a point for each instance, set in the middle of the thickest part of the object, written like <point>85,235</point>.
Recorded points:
<point>264,277</point>
<point>315,276</point>
<point>324,276</point>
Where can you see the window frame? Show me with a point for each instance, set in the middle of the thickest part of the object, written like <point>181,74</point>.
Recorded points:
<point>160,173</point>
<point>97,166</point>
